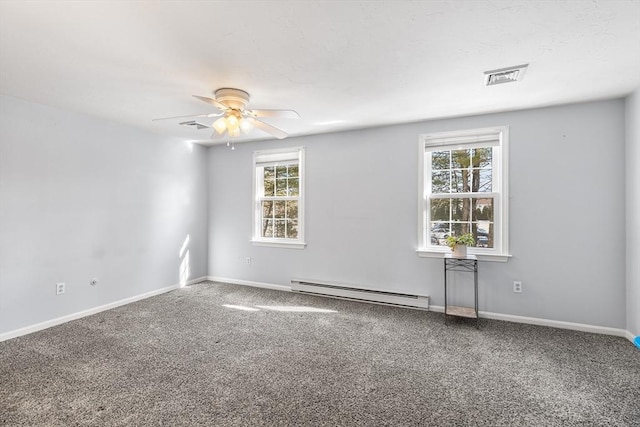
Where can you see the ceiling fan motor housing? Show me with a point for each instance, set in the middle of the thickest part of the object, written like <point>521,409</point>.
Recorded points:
<point>235,99</point>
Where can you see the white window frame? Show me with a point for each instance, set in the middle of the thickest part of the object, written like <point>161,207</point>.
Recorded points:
<point>460,140</point>
<point>274,158</point>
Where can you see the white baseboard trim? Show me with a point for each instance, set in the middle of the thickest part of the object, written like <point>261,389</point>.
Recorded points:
<point>250,283</point>
<point>628,335</point>
<point>550,323</point>
<point>69,317</point>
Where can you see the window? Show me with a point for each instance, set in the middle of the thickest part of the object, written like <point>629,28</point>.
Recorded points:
<point>279,198</point>
<point>464,190</point>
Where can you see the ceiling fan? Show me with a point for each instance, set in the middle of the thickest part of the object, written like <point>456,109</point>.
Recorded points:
<point>234,118</point>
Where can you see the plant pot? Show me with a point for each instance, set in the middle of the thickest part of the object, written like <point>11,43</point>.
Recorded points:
<point>459,251</point>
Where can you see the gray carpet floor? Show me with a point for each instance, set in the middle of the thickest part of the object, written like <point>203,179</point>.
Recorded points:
<point>199,356</point>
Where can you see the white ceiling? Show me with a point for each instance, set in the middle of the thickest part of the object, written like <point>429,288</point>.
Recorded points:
<point>340,64</point>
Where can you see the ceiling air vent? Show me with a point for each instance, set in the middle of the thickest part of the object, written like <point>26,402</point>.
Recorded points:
<point>194,124</point>
<point>505,75</point>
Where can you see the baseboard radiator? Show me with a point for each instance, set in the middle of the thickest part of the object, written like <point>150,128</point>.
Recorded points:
<point>336,290</point>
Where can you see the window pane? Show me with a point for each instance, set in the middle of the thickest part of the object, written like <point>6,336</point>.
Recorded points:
<point>269,187</point>
<point>293,170</point>
<point>482,179</point>
<point>279,228</point>
<point>292,209</point>
<point>460,159</point>
<point>483,234</point>
<point>440,209</point>
<point>440,160</point>
<point>279,208</point>
<point>482,157</point>
<point>461,181</point>
<point>281,172</point>
<point>292,229</point>
<point>483,210</point>
<point>440,182</point>
<point>281,187</point>
<point>267,209</point>
<point>293,187</point>
<point>269,172</point>
<point>460,228</point>
<point>267,228</point>
<point>439,232</point>
<point>461,209</point>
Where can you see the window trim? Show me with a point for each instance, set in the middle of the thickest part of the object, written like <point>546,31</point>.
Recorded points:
<point>256,239</point>
<point>465,138</point>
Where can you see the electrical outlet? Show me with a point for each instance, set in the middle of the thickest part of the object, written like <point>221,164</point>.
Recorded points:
<point>93,281</point>
<point>60,288</point>
<point>248,260</point>
<point>517,286</point>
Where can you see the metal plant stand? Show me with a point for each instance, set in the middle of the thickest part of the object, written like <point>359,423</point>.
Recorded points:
<point>468,264</point>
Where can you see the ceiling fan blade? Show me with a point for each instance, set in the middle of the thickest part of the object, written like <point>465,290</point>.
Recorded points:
<point>285,114</point>
<point>212,102</point>
<point>272,130</point>
<point>188,115</point>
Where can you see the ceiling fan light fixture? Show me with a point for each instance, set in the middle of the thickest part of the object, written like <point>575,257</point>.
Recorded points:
<point>246,124</point>
<point>220,125</point>
<point>236,120</point>
<point>232,122</point>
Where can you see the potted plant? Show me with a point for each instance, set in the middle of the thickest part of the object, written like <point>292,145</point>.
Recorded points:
<point>458,244</point>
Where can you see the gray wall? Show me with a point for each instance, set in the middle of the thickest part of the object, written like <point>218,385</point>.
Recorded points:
<point>83,198</point>
<point>633,211</point>
<point>567,195</point>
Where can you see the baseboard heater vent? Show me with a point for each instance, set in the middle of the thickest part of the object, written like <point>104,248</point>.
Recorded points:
<point>349,292</point>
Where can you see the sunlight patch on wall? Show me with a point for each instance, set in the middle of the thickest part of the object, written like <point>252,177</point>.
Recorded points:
<point>184,247</point>
<point>185,268</point>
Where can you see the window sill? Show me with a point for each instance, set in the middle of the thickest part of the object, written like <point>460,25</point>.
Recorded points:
<point>279,244</point>
<point>425,253</point>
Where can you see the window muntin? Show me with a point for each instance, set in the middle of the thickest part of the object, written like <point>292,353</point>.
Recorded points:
<point>278,196</point>
<point>463,189</point>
